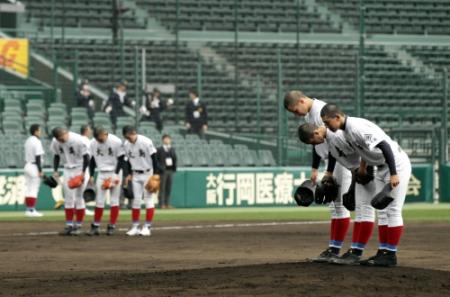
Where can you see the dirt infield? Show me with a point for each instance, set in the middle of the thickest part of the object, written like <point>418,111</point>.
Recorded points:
<point>234,261</point>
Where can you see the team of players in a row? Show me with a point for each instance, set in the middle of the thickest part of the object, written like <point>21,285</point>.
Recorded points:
<point>135,159</point>
<point>347,144</point>
<point>351,145</point>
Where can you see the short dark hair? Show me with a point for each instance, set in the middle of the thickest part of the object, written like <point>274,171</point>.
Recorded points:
<point>98,130</point>
<point>58,131</point>
<point>34,128</point>
<point>128,129</point>
<point>331,110</point>
<point>306,132</point>
<point>165,136</point>
<point>193,91</point>
<point>83,128</point>
<point>292,97</point>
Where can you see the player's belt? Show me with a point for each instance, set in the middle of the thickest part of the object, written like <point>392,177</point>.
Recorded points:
<point>141,171</point>
<point>72,167</point>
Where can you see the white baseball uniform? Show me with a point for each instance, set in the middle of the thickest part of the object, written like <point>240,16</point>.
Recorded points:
<point>33,149</point>
<point>105,155</point>
<point>139,156</point>
<point>364,136</point>
<point>71,154</point>
<point>342,175</point>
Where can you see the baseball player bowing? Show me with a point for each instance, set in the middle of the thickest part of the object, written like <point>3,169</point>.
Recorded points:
<point>393,172</point>
<point>71,149</point>
<point>108,156</point>
<point>301,105</point>
<point>34,153</point>
<point>342,152</point>
<point>143,169</point>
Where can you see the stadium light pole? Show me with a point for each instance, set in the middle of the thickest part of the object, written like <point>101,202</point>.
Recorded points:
<point>361,73</point>
<point>177,48</point>
<point>236,73</point>
<point>258,109</point>
<point>297,69</point>
<point>279,109</point>
<point>444,120</point>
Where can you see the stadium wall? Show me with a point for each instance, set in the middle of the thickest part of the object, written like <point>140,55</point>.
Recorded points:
<point>217,187</point>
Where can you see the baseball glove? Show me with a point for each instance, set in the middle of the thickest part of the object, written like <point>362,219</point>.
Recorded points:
<point>153,183</point>
<point>348,199</point>
<point>330,188</point>
<point>364,179</point>
<point>319,194</point>
<point>107,184</point>
<point>382,199</point>
<point>50,181</point>
<point>75,181</point>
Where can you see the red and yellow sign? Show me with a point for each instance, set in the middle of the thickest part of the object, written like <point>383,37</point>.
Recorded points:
<point>14,55</point>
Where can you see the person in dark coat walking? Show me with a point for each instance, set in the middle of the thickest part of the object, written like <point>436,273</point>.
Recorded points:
<point>196,114</point>
<point>153,107</point>
<point>167,162</point>
<point>85,99</point>
<point>117,100</point>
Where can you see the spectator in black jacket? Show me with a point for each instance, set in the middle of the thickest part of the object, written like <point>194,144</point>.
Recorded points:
<point>167,162</point>
<point>117,100</point>
<point>84,98</point>
<point>154,106</point>
<point>196,114</point>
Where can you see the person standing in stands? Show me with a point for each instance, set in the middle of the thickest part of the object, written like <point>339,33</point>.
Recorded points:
<point>84,98</point>
<point>196,115</point>
<point>117,100</point>
<point>167,161</point>
<point>153,107</point>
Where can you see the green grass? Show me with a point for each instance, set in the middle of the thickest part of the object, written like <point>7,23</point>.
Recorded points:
<point>412,212</point>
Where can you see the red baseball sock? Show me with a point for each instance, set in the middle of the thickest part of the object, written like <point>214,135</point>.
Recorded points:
<point>356,231</point>
<point>30,202</point>
<point>69,215</point>
<point>382,235</point>
<point>365,232</point>
<point>135,215</point>
<point>113,214</point>
<point>341,229</point>
<point>98,213</point>
<point>149,215</point>
<point>393,237</point>
<point>80,215</point>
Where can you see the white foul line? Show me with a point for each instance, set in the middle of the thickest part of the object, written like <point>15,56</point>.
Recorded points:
<point>185,227</point>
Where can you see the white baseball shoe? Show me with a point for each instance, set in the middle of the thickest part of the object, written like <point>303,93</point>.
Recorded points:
<point>145,231</point>
<point>33,214</point>
<point>133,231</point>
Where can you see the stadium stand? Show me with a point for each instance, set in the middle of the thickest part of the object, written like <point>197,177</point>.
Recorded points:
<point>253,15</point>
<point>397,16</point>
<point>76,13</point>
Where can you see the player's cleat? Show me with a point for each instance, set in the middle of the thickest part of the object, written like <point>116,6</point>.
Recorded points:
<point>67,231</point>
<point>133,231</point>
<point>94,231</point>
<point>88,212</point>
<point>33,214</point>
<point>145,231</point>
<point>76,231</point>
<point>349,258</point>
<point>326,256</point>
<point>59,204</point>
<point>110,229</point>
<point>383,258</point>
